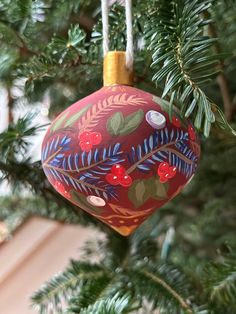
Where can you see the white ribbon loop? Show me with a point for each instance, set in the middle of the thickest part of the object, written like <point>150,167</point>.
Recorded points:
<point>129,31</point>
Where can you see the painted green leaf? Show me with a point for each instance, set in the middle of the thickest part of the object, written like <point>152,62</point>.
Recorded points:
<point>115,123</point>
<point>59,122</point>
<point>142,190</point>
<point>76,116</point>
<point>132,122</point>
<point>138,193</point>
<point>157,189</point>
<point>81,201</point>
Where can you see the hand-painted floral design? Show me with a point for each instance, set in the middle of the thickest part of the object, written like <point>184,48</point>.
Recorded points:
<point>89,139</point>
<point>118,176</point>
<point>119,156</point>
<point>96,200</point>
<point>156,119</point>
<point>166,172</point>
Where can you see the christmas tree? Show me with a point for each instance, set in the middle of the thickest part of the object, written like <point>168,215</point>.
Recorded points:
<point>182,259</point>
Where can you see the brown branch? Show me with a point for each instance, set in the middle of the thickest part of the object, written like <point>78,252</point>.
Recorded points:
<point>46,164</point>
<point>183,303</point>
<point>10,103</point>
<point>221,78</point>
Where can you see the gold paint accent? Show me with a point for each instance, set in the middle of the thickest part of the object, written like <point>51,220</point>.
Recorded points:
<point>115,71</point>
<point>125,231</point>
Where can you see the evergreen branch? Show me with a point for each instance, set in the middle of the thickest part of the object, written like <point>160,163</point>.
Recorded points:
<point>220,282</point>
<point>90,294</point>
<point>181,56</point>
<point>167,288</point>
<point>183,304</point>
<point>10,35</point>
<point>94,292</point>
<point>112,305</point>
<point>60,288</point>
<point>14,140</point>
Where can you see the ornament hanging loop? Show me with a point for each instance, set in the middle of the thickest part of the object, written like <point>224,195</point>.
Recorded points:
<point>118,65</point>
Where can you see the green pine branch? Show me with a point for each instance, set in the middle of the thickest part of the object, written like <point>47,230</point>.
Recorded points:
<point>66,285</point>
<point>182,58</point>
<point>90,293</point>
<point>167,288</point>
<point>220,282</point>
<point>114,305</point>
<point>92,286</point>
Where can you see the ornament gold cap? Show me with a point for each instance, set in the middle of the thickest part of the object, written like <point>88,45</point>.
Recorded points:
<point>115,71</point>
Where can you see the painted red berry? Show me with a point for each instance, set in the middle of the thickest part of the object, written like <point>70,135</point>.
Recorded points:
<point>176,122</point>
<point>118,170</point>
<point>163,168</point>
<point>112,179</point>
<point>86,146</point>
<point>191,133</point>
<point>125,180</point>
<point>61,189</point>
<point>96,138</point>
<point>172,171</point>
<point>85,136</point>
<point>164,178</point>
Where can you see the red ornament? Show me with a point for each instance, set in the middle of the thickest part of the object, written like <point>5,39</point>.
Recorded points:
<point>117,155</point>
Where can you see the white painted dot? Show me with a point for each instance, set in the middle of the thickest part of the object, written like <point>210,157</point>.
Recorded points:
<point>96,201</point>
<point>155,119</point>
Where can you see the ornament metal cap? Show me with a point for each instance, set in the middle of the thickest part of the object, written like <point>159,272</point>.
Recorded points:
<point>115,71</point>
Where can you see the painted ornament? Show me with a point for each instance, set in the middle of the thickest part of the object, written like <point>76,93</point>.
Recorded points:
<point>117,154</point>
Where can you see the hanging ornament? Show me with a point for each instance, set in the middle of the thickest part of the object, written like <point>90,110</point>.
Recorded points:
<point>117,154</point>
